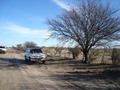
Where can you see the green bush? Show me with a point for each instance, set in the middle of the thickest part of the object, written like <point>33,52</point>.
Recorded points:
<point>115,56</point>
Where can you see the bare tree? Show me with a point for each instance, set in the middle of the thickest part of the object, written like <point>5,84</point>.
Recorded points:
<point>29,44</point>
<point>91,23</point>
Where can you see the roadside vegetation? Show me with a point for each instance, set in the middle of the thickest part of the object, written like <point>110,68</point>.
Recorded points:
<point>75,52</point>
<point>115,56</point>
<point>90,23</point>
<point>27,44</point>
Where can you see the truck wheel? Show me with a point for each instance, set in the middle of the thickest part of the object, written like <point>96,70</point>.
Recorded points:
<point>26,59</point>
<point>4,52</point>
<point>29,59</point>
<point>30,62</point>
<point>43,62</point>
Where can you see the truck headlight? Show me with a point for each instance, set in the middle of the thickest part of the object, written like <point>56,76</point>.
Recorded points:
<point>43,56</point>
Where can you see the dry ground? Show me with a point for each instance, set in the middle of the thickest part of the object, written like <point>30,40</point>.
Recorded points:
<point>56,74</point>
<point>92,77</point>
<point>16,74</point>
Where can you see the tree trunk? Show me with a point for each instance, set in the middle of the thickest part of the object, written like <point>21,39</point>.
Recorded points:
<point>83,58</point>
<point>86,56</point>
<point>73,55</point>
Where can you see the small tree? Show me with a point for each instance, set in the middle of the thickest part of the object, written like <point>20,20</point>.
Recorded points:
<point>116,56</point>
<point>93,54</point>
<point>75,51</point>
<point>90,23</point>
<point>20,47</point>
<point>58,50</point>
<point>29,44</point>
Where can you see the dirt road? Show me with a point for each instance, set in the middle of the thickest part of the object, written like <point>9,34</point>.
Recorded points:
<point>15,74</point>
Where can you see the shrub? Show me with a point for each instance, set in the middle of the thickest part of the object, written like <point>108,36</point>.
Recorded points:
<point>58,50</point>
<point>75,51</point>
<point>29,44</point>
<point>20,47</point>
<point>93,54</point>
<point>115,56</point>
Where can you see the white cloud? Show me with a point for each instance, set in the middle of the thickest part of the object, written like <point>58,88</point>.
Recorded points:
<point>62,4</point>
<point>25,32</point>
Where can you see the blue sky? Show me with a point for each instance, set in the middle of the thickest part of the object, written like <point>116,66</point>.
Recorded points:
<point>25,20</point>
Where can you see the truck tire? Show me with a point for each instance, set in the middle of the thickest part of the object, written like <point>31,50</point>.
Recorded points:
<point>26,59</point>
<point>30,62</point>
<point>43,62</point>
<point>29,59</point>
<point>4,52</point>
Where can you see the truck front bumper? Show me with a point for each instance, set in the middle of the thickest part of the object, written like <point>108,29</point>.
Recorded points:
<point>38,59</point>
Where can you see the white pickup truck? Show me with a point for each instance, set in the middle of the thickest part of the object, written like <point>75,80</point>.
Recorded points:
<point>3,49</point>
<point>35,54</point>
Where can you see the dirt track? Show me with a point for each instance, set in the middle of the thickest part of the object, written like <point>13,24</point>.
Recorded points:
<point>56,74</point>
<point>15,74</point>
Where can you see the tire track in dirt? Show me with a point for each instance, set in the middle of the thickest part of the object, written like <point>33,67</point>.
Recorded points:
<point>17,75</point>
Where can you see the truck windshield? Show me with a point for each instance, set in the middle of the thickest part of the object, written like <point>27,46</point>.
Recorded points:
<point>36,51</point>
<point>2,47</point>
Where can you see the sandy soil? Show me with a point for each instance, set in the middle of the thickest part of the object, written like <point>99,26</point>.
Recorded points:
<point>56,74</point>
<point>16,74</point>
<point>92,77</point>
